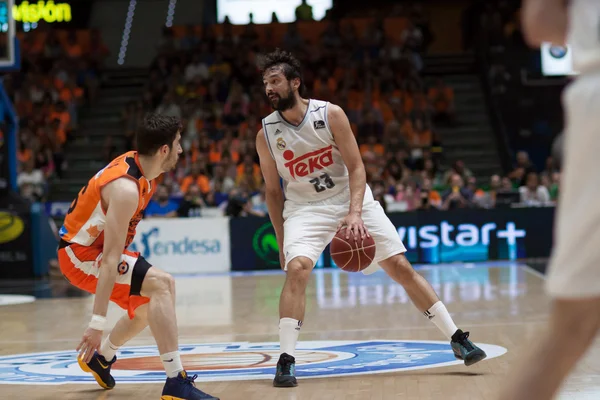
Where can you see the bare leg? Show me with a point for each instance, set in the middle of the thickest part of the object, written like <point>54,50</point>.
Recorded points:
<point>292,300</point>
<point>160,288</point>
<point>291,313</point>
<point>572,327</point>
<point>125,329</point>
<point>418,289</point>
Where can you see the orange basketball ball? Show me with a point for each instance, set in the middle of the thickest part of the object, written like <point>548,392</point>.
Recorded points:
<point>353,254</point>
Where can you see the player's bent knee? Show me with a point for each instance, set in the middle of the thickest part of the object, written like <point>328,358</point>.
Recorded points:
<point>157,281</point>
<point>299,267</point>
<point>399,268</point>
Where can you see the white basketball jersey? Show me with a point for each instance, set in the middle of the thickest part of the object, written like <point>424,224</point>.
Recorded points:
<point>308,159</point>
<point>584,35</point>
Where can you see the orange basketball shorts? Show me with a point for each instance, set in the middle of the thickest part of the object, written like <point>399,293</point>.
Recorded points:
<point>81,264</point>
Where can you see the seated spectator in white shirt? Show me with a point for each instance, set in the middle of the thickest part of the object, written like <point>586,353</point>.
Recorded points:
<point>533,194</point>
<point>31,179</point>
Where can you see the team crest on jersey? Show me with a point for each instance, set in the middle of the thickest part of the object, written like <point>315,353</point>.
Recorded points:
<point>320,124</point>
<point>308,163</point>
<point>240,361</point>
<point>281,144</point>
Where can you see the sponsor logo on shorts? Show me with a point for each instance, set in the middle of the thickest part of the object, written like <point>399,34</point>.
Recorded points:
<point>240,361</point>
<point>308,163</point>
<point>123,267</point>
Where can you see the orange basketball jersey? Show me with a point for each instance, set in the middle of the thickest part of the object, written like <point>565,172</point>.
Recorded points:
<point>85,220</point>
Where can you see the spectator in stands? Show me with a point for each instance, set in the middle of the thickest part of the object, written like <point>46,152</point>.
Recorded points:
<point>259,203</point>
<point>551,167</point>
<point>458,168</point>
<point>487,199</point>
<point>196,70</point>
<point>304,12</point>
<point>554,186</point>
<point>522,168</point>
<point>441,97</point>
<point>192,203</point>
<point>236,204</point>
<point>457,196</point>
<point>533,194</point>
<point>169,107</point>
<point>199,176</point>
<point>430,199</point>
<point>225,182</point>
<point>31,181</point>
<point>161,206</point>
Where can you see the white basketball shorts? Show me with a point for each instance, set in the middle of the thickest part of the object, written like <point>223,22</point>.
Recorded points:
<point>574,268</point>
<point>309,227</point>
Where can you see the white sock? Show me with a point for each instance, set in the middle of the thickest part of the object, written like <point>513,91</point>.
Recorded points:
<point>289,329</point>
<point>172,363</point>
<point>107,349</point>
<point>440,317</point>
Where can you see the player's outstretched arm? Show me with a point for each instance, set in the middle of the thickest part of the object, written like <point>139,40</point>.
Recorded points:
<point>346,142</point>
<point>545,21</point>
<point>273,192</point>
<point>122,199</point>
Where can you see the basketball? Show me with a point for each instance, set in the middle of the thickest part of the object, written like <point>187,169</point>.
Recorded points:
<point>353,254</point>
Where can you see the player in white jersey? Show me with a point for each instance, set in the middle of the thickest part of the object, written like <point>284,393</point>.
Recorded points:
<point>573,279</point>
<point>310,145</point>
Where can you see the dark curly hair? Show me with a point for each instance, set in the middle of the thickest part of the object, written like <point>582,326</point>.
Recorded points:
<point>291,66</point>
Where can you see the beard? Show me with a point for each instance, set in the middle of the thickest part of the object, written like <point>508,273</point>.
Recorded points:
<point>171,162</point>
<point>283,103</point>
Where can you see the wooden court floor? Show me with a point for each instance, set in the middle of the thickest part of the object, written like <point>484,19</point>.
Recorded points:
<point>227,322</point>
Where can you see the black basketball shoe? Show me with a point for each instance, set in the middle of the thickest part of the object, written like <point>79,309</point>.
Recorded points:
<point>465,350</point>
<point>100,369</point>
<point>286,371</point>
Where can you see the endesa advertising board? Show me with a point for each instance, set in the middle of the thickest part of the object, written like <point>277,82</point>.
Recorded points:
<point>185,245</point>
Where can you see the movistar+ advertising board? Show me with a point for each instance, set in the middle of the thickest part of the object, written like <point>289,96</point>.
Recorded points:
<point>430,237</point>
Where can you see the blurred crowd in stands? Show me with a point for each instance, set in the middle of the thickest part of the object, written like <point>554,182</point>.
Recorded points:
<point>60,72</point>
<point>208,78</point>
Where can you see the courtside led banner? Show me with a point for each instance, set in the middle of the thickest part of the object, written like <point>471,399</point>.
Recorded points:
<point>47,11</point>
<point>184,245</point>
<point>430,237</point>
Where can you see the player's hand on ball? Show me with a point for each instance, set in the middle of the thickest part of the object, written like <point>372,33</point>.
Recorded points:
<point>354,223</point>
<point>89,343</point>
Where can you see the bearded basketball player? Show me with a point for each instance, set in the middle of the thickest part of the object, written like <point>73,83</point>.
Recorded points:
<point>93,256</point>
<point>309,144</point>
<point>573,280</point>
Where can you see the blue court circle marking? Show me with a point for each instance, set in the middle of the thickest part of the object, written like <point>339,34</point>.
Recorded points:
<point>238,361</point>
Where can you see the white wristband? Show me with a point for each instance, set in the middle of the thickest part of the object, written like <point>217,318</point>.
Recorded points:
<point>97,322</point>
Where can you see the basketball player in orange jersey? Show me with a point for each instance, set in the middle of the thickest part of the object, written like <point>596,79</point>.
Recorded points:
<point>93,256</point>
<point>310,145</point>
<point>573,278</point>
